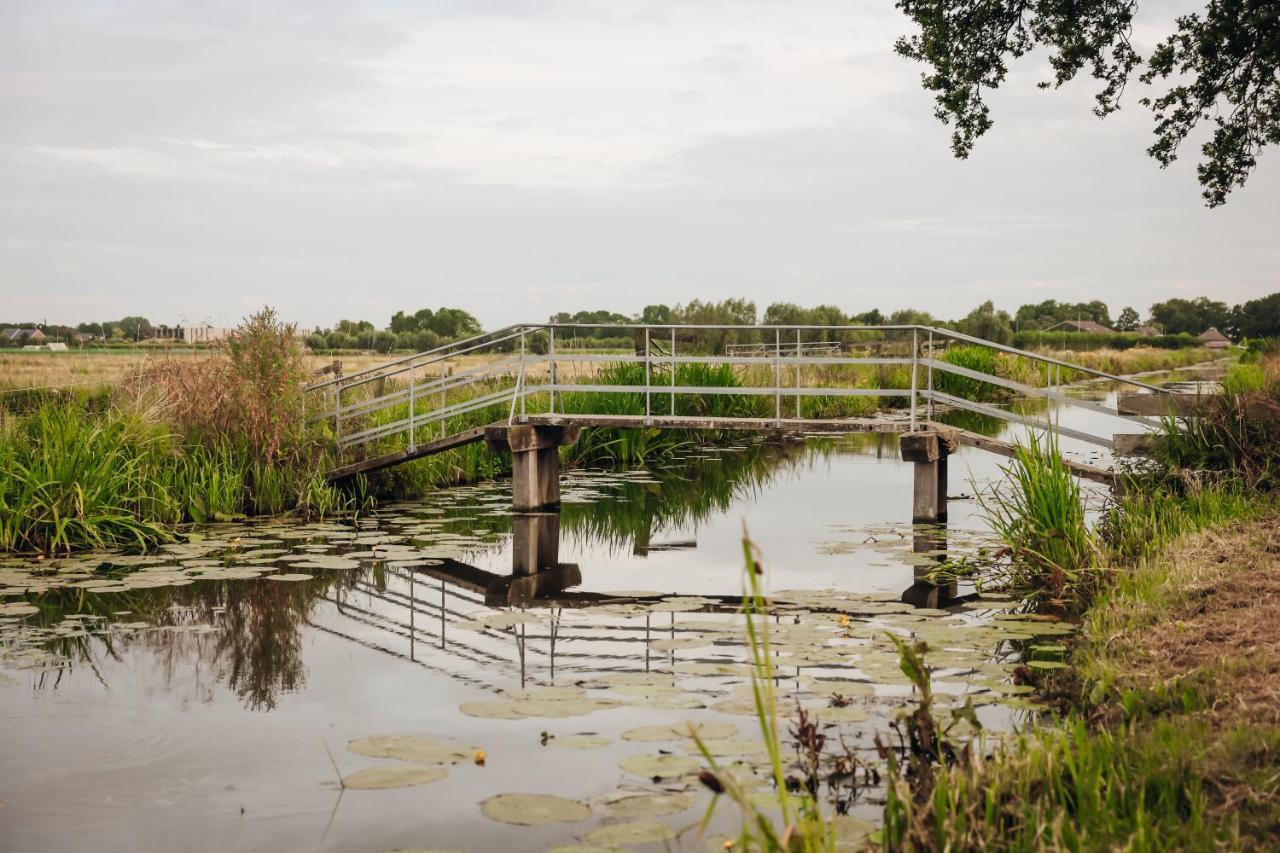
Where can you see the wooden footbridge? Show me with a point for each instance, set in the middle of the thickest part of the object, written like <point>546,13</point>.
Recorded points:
<point>527,390</point>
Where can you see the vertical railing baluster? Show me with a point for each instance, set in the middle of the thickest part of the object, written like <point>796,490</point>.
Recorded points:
<point>648,418</point>
<point>673,371</point>
<point>797,354</point>
<point>915,354</point>
<point>337,419</point>
<point>551,354</point>
<point>777,378</point>
<point>929,402</point>
<point>520,385</point>
<point>412,401</point>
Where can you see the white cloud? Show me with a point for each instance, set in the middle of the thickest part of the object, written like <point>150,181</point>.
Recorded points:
<point>342,159</point>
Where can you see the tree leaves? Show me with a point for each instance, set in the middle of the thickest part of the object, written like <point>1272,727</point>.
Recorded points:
<point>1226,68</point>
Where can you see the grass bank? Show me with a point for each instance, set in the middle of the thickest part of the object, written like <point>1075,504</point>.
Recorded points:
<point>185,440</point>
<point>1170,733</point>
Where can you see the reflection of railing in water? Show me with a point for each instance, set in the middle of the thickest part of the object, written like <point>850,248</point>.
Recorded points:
<point>396,607</point>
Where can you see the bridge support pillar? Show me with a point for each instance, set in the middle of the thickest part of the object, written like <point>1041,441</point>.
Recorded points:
<point>928,451</point>
<point>535,462</point>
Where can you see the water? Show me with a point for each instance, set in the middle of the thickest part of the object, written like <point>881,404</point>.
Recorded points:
<point>189,699</point>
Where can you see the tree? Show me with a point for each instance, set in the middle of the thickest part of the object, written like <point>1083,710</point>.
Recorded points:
<point>1257,318</point>
<point>987,323</point>
<point>384,341</point>
<point>1032,317</point>
<point>135,328</point>
<point>1192,316</point>
<point>658,314</point>
<point>1127,321</point>
<point>1225,68</point>
<point>452,323</point>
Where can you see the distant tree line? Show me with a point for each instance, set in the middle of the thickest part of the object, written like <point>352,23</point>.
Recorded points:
<point>1174,322</point>
<point>420,331</point>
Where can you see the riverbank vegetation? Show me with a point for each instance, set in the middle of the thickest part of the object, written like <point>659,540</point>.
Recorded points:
<point>184,441</point>
<point>1166,733</point>
<point>1169,735</point>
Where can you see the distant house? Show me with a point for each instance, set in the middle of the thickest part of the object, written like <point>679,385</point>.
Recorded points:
<point>201,333</point>
<point>1147,331</point>
<point>13,336</point>
<point>1080,326</point>
<point>1213,339</point>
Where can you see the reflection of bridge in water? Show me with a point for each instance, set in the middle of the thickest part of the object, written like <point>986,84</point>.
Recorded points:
<point>414,611</point>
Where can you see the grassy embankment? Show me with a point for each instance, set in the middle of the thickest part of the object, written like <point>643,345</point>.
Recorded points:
<point>1169,735</point>
<point>183,440</point>
<point>143,443</point>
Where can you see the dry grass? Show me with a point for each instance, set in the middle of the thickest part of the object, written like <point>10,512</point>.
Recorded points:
<point>99,369</point>
<point>1219,625</point>
<point>1137,359</point>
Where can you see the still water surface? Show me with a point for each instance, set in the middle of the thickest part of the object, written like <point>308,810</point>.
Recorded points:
<point>204,698</point>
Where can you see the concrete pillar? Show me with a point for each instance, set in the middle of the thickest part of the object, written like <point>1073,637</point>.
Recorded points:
<point>535,462</point>
<point>928,452</point>
<point>535,543</point>
<point>924,592</point>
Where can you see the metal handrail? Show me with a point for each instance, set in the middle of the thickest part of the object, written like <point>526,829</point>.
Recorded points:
<point>763,353</point>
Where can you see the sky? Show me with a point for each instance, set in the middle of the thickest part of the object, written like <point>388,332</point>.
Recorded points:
<point>192,161</point>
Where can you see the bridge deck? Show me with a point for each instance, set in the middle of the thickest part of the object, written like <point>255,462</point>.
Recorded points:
<point>769,425</point>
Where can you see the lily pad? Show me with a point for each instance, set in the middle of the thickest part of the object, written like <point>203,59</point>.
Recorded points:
<point>419,750</point>
<point>658,766</point>
<point>578,741</point>
<point>533,809</point>
<point>632,806</point>
<point>733,747</point>
<point>491,710</point>
<point>616,834</point>
<point>393,776</point>
<point>290,576</point>
<point>557,708</point>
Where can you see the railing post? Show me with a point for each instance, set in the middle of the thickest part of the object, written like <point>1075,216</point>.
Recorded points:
<point>915,355</point>
<point>797,374</point>
<point>520,385</point>
<point>551,354</point>
<point>648,418</point>
<point>673,371</point>
<point>443,398</point>
<point>777,378</point>
<point>929,401</point>
<point>337,419</point>
<point>412,389</point>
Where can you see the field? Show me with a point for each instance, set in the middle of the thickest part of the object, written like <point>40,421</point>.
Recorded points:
<point>102,368</point>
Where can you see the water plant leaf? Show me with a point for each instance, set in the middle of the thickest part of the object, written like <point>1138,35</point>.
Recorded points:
<point>533,809</point>
<point>613,835</point>
<point>491,710</point>
<point>393,776</point>
<point>420,750</point>
<point>578,741</point>
<point>658,766</point>
<point>632,806</point>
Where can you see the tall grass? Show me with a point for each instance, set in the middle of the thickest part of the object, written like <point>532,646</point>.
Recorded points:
<point>72,480</point>
<point>1233,436</point>
<point>190,440</point>
<point>1039,514</point>
<point>803,826</point>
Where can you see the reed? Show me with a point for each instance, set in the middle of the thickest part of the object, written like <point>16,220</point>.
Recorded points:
<point>1039,514</point>
<point>803,828</point>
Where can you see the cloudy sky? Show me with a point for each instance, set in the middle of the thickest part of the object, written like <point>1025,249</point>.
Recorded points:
<point>193,160</point>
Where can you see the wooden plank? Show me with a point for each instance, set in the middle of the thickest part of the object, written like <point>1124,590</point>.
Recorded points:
<point>836,425</point>
<point>1003,448</point>
<point>430,448</point>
